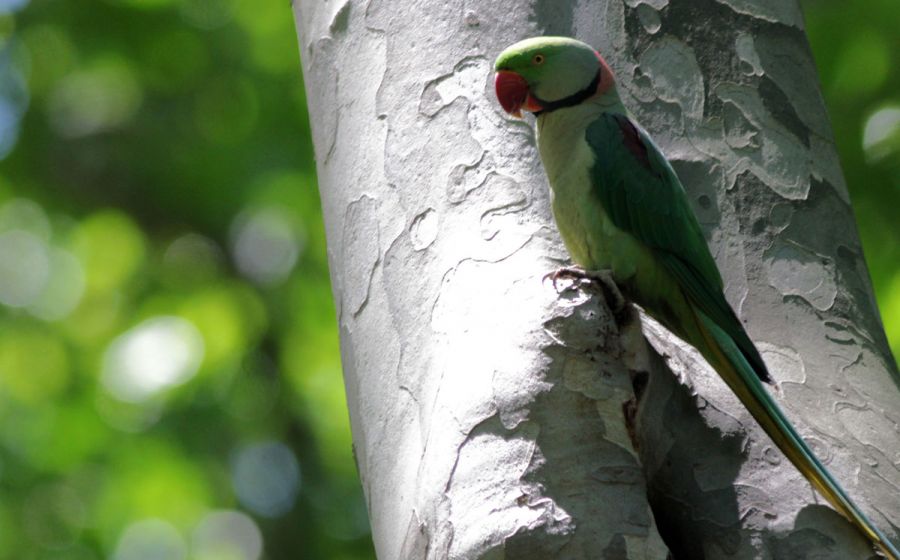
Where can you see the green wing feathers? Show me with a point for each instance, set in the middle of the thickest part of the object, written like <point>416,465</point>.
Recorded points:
<point>642,195</point>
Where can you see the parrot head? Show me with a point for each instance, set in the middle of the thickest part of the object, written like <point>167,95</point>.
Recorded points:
<point>546,73</point>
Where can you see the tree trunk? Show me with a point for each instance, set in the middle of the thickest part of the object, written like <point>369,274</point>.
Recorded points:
<point>494,418</point>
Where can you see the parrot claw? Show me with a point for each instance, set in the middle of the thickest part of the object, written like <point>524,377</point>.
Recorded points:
<point>599,278</point>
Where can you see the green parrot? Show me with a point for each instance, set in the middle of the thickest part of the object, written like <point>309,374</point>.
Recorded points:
<point>623,214</point>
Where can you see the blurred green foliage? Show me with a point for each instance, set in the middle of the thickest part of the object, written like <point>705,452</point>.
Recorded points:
<point>170,382</point>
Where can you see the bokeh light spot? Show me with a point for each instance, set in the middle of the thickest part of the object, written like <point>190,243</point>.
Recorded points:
<point>881,135</point>
<point>192,258</point>
<point>266,478</point>
<point>230,318</point>
<point>150,539</point>
<point>24,268</point>
<point>266,244</point>
<point>26,215</point>
<point>97,98</point>
<point>63,290</point>
<point>226,535</point>
<point>153,356</point>
<point>7,6</point>
<point>96,319</point>
<point>111,248</point>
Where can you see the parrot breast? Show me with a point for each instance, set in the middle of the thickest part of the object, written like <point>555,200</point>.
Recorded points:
<point>590,236</point>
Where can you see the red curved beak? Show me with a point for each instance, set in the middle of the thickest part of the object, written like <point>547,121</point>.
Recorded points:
<point>512,92</point>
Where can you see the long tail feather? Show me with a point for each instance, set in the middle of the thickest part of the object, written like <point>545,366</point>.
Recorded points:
<point>729,362</point>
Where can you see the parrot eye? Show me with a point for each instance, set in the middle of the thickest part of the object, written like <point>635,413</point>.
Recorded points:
<point>538,59</point>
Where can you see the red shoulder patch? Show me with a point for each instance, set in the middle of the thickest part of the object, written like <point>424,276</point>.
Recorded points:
<point>633,141</point>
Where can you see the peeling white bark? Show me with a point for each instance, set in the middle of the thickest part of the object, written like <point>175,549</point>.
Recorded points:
<point>487,412</point>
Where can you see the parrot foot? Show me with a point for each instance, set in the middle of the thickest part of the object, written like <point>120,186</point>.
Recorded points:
<point>600,278</point>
